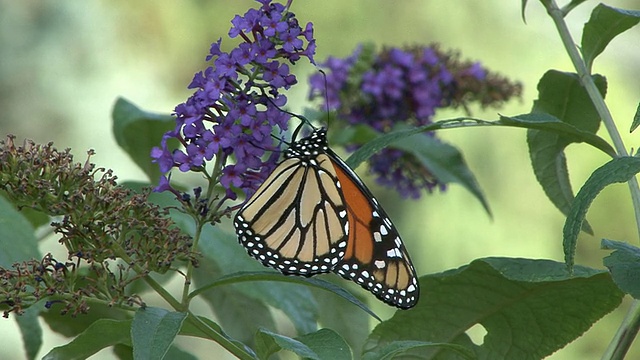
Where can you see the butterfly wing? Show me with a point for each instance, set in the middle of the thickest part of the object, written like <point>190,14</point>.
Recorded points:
<point>375,256</point>
<point>296,222</point>
<point>313,215</point>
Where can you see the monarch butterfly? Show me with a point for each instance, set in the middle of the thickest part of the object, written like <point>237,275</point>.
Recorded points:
<point>314,215</point>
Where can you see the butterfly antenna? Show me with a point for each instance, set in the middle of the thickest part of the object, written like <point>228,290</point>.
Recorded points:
<point>299,117</point>
<point>326,94</point>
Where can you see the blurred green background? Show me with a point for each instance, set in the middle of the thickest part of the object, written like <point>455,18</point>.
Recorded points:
<point>63,64</point>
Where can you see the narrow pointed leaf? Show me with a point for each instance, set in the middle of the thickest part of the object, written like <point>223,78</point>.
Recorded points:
<point>31,331</point>
<point>137,132</point>
<point>529,308</point>
<point>442,160</point>
<point>269,343</point>
<point>237,278</point>
<point>636,119</point>
<point>189,328</point>
<point>605,24</point>
<point>523,6</point>
<point>372,143</point>
<point>571,5</point>
<point>547,123</point>
<point>99,335</point>
<point>36,218</point>
<point>615,171</point>
<point>18,243</point>
<point>550,167</point>
<point>562,96</point>
<point>445,163</point>
<point>17,239</point>
<point>375,143</point>
<point>624,265</point>
<point>153,331</point>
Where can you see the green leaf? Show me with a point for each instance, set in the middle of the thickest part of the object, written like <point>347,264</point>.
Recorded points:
<point>31,331</point>
<point>17,239</point>
<point>137,132</point>
<point>124,352</point>
<point>268,343</point>
<point>396,348</point>
<point>18,243</point>
<point>562,96</point>
<point>523,5</point>
<point>99,335</point>
<point>338,314</point>
<point>239,314</point>
<point>548,136</point>
<point>615,171</point>
<point>176,353</point>
<point>373,144</point>
<point>340,292</point>
<point>605,24</point>
<point>327,344</point>
<point>549,164</point>
<point>529,308</point>
<point>36,218</point>
<point>624,265</point>
<point>190,329</point>
<point>443,161</point>
<point>153,331</point>
<point>240,277</point>
<point>636,119</point>
<point>550,124</point>
<point>571,5</point>
<point>295,301</point>
<point>71,327</point>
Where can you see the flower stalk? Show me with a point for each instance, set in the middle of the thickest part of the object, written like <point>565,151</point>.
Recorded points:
<point>630,326</point>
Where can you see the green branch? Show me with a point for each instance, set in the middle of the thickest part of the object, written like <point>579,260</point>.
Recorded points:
<point>628,330</point>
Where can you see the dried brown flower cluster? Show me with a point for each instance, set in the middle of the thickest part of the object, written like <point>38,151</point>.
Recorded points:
<point>113,235</point>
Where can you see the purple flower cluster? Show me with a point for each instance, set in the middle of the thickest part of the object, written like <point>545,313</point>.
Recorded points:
<point>403,86</point>
<point>397,85</point>
<point>236,102</point>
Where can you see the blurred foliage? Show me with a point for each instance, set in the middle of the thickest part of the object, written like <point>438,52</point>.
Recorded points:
<point>63,64</point>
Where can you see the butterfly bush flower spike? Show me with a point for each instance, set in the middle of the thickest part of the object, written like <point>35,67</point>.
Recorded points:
<point>405,86</point>
<point>234,107</point>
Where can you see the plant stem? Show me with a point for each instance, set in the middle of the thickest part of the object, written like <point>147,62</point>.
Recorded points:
<point>148,279</point>
<point>625,335</point>
<point>187,280</point>
<point>597,99</point>
<point>207,330</point>
<point>628,330</point>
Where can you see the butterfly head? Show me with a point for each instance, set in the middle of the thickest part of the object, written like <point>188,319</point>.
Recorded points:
<point>309,146</point>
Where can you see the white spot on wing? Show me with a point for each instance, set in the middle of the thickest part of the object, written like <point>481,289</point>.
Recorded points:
<point>395,252</point>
